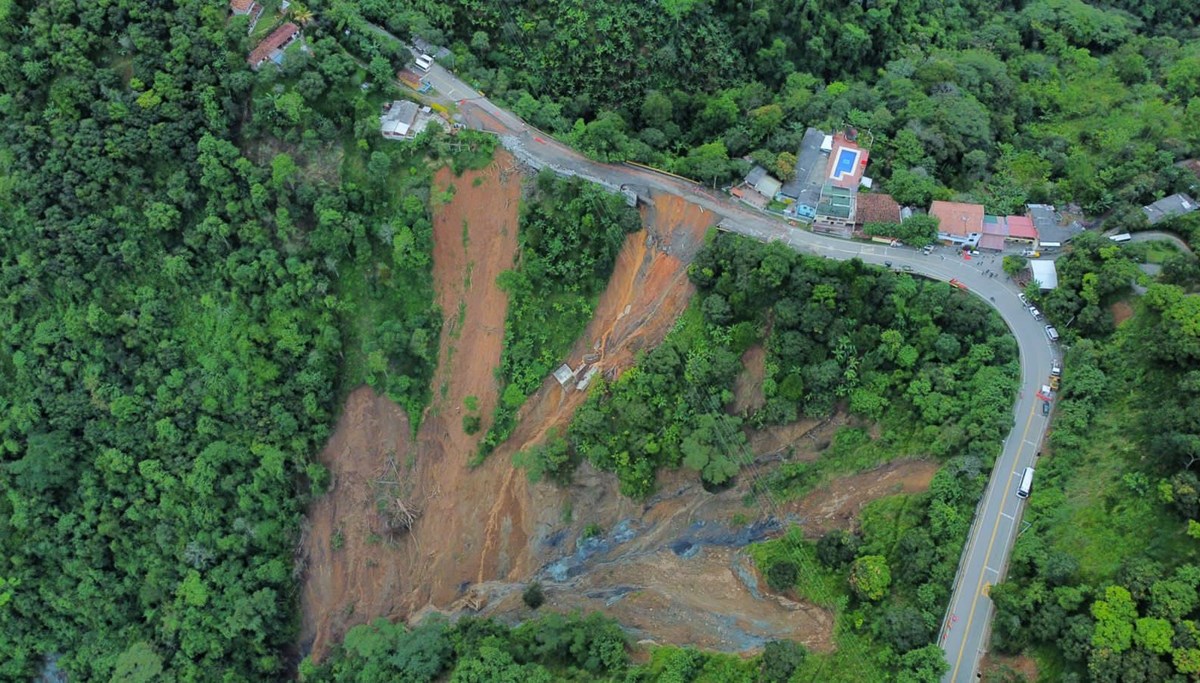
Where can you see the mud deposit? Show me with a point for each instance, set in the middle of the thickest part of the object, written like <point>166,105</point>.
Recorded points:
<point>837,505</point>
<point>672,571</point>
<point>482,526</point>
<point>469,520</point>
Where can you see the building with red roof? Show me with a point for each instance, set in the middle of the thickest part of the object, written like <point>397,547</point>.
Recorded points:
<point>1020,229</point>
<point>242,6</point>
<point>876,207</point>
<point>959,223</point>
<point>273,45</point>
<point>248,8</point>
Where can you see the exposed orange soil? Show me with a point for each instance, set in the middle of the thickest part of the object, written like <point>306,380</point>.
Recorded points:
<point>480,525</point>
<point>996,667</point>
<point>371,577</point>
<point>370,429</point>
<point>747,389</point>
<point>708,597</point>
<point>838,504</point>
<point>1121,311</point>
<point>646,293</point>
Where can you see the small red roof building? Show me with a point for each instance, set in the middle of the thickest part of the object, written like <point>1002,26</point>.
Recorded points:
<point>1021,228</point>
<point>273,44</point>
<point>242,6</point>
<point>877,208</point>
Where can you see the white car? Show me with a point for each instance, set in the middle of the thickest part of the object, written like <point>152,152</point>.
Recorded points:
<point>1037,315</point>
<point>1051,333</point>
<point>1024,299</point>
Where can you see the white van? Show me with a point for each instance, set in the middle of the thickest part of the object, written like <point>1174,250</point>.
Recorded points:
<point>1026,483</point>
<point>424,62</point>
<point>1051,333</point>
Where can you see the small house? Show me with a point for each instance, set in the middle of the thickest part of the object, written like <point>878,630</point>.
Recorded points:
<point>763,183</point>
<point>804,190</point>
<point>1169,207</point>
<point>1050,225</point>
<point>959,223</point>
<point>1044,273</point>
<point>877,208</point>
<point>397,120</point>
<point>272,47</point>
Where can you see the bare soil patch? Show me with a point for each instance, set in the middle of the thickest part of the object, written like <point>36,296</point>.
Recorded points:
<point>341,546</point>
<point>671,569</point>
<point>996,668</point>
<point>463,512</point>
<point>1121,311</point>
<point>838,504</point>
<point>748,388</point>
<point>802,440</point>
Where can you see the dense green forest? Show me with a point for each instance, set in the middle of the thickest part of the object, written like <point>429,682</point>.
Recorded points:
<point>1002,102</point>
<point>1090,592</point>
<point>549,648</point>
<point>570,233</point>
<point>935,363</point>
<point>194,261</point>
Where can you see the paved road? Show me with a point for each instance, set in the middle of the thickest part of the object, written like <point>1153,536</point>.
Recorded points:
<point>1156,235</point>
<point>966,628</point>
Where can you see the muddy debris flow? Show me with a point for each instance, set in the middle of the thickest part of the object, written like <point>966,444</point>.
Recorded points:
<point>671,569</point>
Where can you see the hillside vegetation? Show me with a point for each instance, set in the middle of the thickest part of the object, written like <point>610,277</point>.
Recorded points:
<point>1053,101</point>
<point>1105,584</point>
<point>194,261</point>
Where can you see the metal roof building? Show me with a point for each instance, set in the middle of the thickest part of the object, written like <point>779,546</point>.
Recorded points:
<point>1044,273</point>
<point>1169,207</point>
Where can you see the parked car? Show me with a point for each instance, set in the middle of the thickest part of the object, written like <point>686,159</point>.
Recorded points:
<point>1024,299</point>
<point>887,264</point>
<point>1037,315</point>
<point>907,269</point>
<point>927,250</point>
<point>1045,408</point>
<point>1051,333</point>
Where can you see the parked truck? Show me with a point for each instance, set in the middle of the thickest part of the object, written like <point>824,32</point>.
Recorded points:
<point>1046,393</point>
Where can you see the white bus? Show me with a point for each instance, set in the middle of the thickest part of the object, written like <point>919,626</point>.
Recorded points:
<point>1026,483</point>
<point>1049,246</point>
<point>1123,237</point>
<point>424,62</point>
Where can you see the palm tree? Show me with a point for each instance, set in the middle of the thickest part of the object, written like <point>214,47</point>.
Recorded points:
<point>300,14</point>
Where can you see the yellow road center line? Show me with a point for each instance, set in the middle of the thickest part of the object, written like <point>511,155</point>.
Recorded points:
<point>988,553</point>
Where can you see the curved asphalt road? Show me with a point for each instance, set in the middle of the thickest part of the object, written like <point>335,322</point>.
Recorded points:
<point>984,562</point>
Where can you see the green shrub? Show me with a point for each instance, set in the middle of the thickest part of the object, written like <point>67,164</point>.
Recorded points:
<point>533,596</point>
